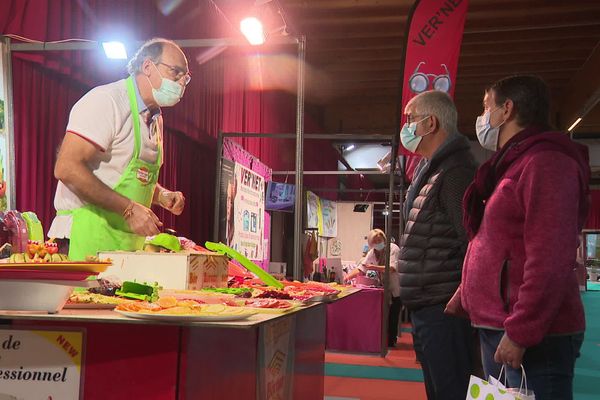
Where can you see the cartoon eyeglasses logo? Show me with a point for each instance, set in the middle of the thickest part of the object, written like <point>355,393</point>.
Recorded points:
<point>420,82</point>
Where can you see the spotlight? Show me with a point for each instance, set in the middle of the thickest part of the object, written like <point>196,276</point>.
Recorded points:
<point>252,28</point>
<point>577,121</point>
<point>351,147</point>
<point>115,50</point>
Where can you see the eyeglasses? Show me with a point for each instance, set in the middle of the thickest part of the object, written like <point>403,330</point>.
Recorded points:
<point>410,118</point>
<point>420,82</point>
<point>178,73</point>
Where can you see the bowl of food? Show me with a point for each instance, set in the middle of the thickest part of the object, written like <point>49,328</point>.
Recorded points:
<point>37,295</point>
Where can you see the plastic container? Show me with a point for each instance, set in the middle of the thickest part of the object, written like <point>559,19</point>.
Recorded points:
<point>364,281</point>
<point>37,295</point>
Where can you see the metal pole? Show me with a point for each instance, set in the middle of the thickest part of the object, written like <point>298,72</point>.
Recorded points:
<point>298,211</point>
<point>401,200</point>
<point>9,123</point>
<point>388,223</point>
<point>216,218</point>
<point>315,136</point>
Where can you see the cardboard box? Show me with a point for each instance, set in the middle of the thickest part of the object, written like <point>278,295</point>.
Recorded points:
<point>191,271</point>
<point>277,268</point>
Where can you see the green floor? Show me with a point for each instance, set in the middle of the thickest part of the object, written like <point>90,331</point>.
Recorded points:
<point>587,369</point>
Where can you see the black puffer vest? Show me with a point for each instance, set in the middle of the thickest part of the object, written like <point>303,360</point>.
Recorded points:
<point>432,251</point>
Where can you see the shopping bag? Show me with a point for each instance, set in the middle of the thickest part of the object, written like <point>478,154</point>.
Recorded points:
<point>480,389</point>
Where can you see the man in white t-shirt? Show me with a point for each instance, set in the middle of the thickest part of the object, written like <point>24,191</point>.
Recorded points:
<point>110,158</point>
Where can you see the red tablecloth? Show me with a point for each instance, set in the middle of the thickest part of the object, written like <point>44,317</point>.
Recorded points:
<point>354,322</point>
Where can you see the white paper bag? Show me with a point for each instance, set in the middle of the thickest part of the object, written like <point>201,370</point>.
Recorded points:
<point>480,389</point>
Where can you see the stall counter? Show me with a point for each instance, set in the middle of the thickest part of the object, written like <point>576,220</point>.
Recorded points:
<point>354,322</point>
<point>128,358</point>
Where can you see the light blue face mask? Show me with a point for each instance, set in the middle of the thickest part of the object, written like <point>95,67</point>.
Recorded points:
<point>379,246</point>
<point>486,133</point>
<point>169,93</point>
<point>409,139</point>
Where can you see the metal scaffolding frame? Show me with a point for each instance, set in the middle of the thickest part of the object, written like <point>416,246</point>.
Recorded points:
<point>299,136</point>
<point>299,194</point>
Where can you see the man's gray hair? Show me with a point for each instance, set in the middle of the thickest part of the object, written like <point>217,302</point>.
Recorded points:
<point>151,49</point>
<point>438,104</point>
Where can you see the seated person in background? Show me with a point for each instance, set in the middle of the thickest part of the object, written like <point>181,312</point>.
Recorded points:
<point>375,261</point>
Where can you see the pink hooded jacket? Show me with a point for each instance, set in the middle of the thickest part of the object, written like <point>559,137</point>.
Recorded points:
<point>518,273</point>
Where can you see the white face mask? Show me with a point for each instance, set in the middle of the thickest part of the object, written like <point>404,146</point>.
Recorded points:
<point>168,94</point>
<point>486,134</point>
<point>408,136</point>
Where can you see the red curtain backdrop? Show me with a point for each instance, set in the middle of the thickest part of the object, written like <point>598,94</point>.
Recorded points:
<point>259,96</point>
<point>231,91</point>
<point>41,102</point>
<point>46,85</point>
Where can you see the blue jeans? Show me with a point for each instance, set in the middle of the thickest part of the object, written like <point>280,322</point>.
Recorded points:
<point>444,346</point>
<point>549,365</point>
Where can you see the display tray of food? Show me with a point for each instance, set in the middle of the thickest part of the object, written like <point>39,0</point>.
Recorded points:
<point>243,299</point>
<point>171,309</point>
<point>45,256</point>
<point>270,306</point>
<point>96,301</point>
<point>91,267</point>
<point>305,292</point>
<point>43,274</point>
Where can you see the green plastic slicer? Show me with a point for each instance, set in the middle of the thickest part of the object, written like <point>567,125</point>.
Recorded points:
<point>264,276</point>
<point>138,291</point>
<point>166,241</point>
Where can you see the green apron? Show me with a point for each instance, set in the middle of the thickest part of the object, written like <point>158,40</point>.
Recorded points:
<point>95,229</point>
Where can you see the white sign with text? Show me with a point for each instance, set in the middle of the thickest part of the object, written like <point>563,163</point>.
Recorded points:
<point>40,365</point>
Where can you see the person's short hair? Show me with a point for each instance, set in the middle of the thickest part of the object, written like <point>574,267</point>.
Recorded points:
<point>376,233</point>
<point>438,104</point>
<point>151,49</point>
<point>530,96</point>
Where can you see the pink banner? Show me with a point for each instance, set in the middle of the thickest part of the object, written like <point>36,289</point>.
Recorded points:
<point>236,153</point>
<point>433,40</point>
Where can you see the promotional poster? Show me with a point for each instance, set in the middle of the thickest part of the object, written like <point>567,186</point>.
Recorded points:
<point>248,211</point>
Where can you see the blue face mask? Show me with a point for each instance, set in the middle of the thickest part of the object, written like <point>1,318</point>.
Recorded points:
<point>409,139</point>
<point>486,133</point>
<point>379,246</point>
<point>169,93</point>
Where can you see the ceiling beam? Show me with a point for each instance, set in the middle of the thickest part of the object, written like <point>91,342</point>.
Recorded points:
<point>501,16</point>
<point>584,91</point>
<point>465,59</point>
<point>341,4</point>
<point>540,33</point>
<point>544,34</point>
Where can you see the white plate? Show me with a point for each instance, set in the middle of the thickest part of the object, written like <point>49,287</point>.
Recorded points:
<point>90,306</point>
<point>187,318</point>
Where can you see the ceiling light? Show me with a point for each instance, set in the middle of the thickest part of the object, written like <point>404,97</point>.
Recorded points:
<point>351,147</point>
<point>252,28</point>
<point>577,121</point>
<point>115,50</point>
